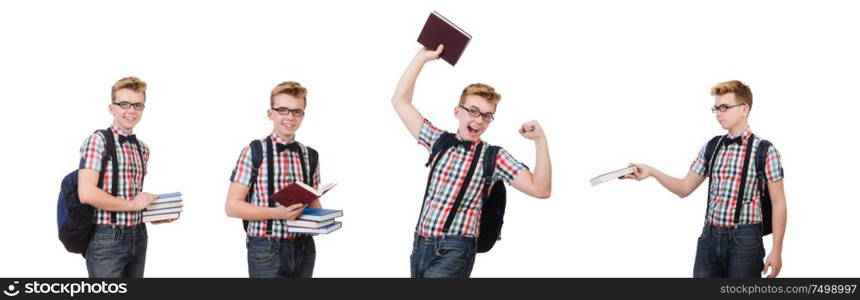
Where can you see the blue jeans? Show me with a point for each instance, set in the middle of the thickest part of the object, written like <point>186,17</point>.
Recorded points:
<point>117,252</point>
<point>281,258</point>
<point>442,257</point>
<point>734,252</point>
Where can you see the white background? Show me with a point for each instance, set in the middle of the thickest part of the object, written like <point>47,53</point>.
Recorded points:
<point>610,81</point>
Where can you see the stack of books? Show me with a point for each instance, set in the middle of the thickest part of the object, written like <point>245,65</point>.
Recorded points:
<point>315,221</point>
<point>166,207</point>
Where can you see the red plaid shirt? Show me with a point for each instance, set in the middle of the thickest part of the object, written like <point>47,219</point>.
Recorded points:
<point>132,168</point>
<point>726,180</point>
<point>448,179</point>
<point>288,169</point>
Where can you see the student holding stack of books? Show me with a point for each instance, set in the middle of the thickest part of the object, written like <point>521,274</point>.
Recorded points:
<point>447,249</point>
<point>746,199</point>
<point>118,245</point>
<point>273,251</point>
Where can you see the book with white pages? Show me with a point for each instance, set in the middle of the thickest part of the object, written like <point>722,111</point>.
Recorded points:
<point>162,217</point>
<point>612,175</point>
<point>162,211</point>
<point>309,224</point>
<point>155,206</point>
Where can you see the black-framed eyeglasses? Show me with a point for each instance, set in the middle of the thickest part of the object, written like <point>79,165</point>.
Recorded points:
<point>127,105</point>
<point>475,112</point>
<point>724,107</point>
<point>298,112</point>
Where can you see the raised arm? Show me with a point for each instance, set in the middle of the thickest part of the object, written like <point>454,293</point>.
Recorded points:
<point>402,99</point>
<point>539,183</point>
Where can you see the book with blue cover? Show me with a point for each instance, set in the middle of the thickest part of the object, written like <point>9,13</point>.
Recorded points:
<point>322,230</point>
<point>320,214</point>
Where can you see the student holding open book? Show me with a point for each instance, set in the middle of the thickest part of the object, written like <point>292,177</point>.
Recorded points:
<point>272,250</point>
<point>447,249</point>
<point>746,199</point>
<point>118,244</point>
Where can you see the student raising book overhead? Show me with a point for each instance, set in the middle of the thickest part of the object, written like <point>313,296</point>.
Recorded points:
<point>459,181</point>
<point>268,165</point>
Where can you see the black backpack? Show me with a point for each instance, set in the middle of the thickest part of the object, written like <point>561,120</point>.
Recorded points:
<point>761,178</point>
<point>75,219</point>
<point>493,193</point>
<point>257,161</point>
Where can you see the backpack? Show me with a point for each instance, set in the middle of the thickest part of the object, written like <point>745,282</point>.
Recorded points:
<point>257,162</point>
<point>493,193</point>
<point>75,219</point>
<point>761,178</point>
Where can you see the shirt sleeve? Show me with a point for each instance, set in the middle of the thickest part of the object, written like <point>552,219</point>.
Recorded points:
<point>700,164</point>
<point>92,152</point>
<point>242,172</point>
<point>773,165</point>
<point>429,134</point>
<point>507,167</point>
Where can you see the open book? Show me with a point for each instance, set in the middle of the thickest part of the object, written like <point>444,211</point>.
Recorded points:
<point>611,175</point>
<point>299,192</point>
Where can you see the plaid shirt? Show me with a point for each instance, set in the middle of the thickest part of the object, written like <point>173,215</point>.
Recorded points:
<point>728,166</point>
<point>288,169</point>
<point>447,180</point>
<point>132,168</point>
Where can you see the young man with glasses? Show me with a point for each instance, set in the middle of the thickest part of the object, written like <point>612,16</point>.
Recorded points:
<point>737,215</point>
<point>118,245</point>
<point>272,250</point>
<point>443,246</point>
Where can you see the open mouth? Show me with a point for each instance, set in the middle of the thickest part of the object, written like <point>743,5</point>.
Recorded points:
<point>472,130</point>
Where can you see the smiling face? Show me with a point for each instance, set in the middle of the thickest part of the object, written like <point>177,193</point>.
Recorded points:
<point>471,128</point>
<point>286,126</point>
<point>126,118</point>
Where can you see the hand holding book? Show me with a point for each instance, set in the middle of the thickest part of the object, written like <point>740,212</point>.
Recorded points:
<point>425,55</point>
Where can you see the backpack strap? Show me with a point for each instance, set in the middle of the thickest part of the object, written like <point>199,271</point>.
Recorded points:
<point>489,170</point>
<point>739,201</point>
<point>313,162</point>
<point>761,186</point>
<point>256,161</point>
<point>445,141</point>
<point>110,154</point>
<point>463,188</point>
<point>441,144</point>
<point>270,177</point>
<point>710,152</point>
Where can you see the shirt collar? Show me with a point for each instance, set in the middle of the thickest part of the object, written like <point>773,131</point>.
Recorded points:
<point>118,131</point>
<point>277,139</point>
<point>744,135</point>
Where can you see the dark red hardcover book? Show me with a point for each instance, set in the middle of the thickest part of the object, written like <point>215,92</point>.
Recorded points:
<point>438,30</point>
<point>298,192</point>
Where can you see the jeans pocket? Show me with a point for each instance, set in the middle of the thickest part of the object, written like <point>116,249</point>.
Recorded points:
<point>260,249</point>
<point>747,240</point>
<point>105,238</point>
<point>454,251</point>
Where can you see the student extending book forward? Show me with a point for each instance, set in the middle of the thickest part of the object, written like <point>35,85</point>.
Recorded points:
<point>746,199</point>
<point>448,225</point>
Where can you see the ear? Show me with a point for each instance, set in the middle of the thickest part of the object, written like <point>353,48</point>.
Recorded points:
<point>269,113</point>
<point>111,108</point>
<point>456,111</point>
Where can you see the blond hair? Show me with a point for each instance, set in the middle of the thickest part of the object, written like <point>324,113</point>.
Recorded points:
<point>743,94</point>
<point>481,90</point>
<point>131,83</point>
<point>291,88</point>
